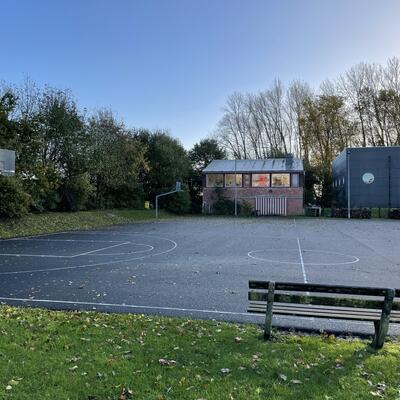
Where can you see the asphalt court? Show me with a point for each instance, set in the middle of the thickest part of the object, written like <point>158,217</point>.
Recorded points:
<point>197,267</point>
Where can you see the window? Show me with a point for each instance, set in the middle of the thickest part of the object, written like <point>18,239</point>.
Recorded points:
<point>247,180</point>
<point>260,180</point>
<point>215,180</point>
<point>230,180</point>
<point>295,180</point>
<point>280,180</point>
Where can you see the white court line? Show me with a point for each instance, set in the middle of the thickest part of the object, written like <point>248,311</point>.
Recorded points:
<point>63,240</point>
<point>302,262</point>
<point>104,248</point>
<point>86,303</point>
<point>32,271</point>
<point>353,261</point>
<point>34,255</point>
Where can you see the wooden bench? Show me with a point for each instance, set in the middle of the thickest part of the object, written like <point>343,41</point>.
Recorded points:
<point>326,301</point>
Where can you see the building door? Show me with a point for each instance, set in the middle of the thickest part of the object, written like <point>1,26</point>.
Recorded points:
<point>269,205</point>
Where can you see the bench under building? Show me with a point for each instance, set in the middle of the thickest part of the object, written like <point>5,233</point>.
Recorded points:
<point>272,186</point>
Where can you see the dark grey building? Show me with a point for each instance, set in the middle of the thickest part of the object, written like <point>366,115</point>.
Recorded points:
<point>367,177</point>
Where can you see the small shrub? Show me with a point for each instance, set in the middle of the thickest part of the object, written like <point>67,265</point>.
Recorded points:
<point>224,206</point>
<point>179,203</point>
<point>246,209</point>
<point>75,193</point>
<point>43,185</point>
<point>14,201</point>
<point>395,214</point>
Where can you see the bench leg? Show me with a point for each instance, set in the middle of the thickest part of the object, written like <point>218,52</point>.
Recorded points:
<point>268,313</point>
<point>382,326</point>
<point>376,327</point>
<point>381,331</point>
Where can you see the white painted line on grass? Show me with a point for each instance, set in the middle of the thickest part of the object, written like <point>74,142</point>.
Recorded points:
<point>86,303</point>
<point>104,248</point>
<point>302,261</point>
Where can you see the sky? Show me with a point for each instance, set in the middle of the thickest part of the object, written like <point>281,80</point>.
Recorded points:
<point>171,64</point>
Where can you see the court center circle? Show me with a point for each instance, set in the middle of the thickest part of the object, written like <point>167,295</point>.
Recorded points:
<point>310,257</point>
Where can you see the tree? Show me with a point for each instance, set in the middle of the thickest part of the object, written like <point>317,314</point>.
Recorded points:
<point>326,131</point>
<point>117,162</point>
<point>8,128</point>
<point>200,156</point>
<point>167,160</point>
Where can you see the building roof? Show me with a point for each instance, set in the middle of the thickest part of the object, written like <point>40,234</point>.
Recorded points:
<point>266,165</point>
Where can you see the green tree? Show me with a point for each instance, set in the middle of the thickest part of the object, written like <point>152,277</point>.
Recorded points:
<point>8,127</point>
<point>327,130</point>
<point>117,162</point>
<point>200,156</point>
<point>167,160</point>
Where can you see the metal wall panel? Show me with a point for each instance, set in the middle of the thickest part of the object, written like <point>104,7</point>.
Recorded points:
<point>383,163</point>
<point>271,205</point>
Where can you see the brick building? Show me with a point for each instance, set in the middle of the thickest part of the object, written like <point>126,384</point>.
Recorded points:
<point>272,186</point>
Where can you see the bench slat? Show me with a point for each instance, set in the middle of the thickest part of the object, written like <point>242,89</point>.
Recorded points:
<point>322,312</point>
<point>317,300</point>
<point>309,287</point>
<point>307,313</point>
<point>262,305</point>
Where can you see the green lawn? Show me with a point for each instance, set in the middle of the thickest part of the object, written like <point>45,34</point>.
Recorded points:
<point>70,355</point>
<point>34,224</point>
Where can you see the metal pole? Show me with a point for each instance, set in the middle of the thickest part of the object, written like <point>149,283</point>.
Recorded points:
<point>156,206</point>
<point>235,191</point>
<point>389,183</point>
<point>348,185</point>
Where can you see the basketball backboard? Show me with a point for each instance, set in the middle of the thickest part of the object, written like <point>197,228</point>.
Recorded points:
<point>7,162</point>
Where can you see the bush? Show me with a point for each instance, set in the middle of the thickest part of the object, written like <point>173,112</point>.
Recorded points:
<point>246,209</point>
<point>358,213</point>
<point>179,203</point>
<point>14,201</point>
<point>126,196</point>
<point>395,214</point>
<point>75,193</point>
<point>224,206</point>
<point>43,185</point>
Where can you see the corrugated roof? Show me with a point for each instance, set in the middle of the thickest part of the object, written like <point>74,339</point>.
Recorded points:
<point>267,165</point>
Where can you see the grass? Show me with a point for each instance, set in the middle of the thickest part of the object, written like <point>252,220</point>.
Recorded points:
<point>35,224</point>
<point>85,355</point>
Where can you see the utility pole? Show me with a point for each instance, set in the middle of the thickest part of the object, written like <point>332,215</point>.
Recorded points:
<point>348,184</point>
<point>235,190</point>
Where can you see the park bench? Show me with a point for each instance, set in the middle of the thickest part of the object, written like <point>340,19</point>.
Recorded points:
<point>326,301</point>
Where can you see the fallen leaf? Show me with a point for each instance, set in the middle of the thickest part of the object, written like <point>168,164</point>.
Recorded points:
<point>125,394</point>
<point>225,370</point>
<point>169,363</point>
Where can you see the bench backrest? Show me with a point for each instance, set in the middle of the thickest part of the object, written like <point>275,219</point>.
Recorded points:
<point>313,294</point>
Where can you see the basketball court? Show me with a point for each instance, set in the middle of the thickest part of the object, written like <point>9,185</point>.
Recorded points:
<point>197,267</point>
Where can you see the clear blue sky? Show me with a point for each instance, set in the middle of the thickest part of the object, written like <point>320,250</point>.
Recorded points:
<point>172,63</point>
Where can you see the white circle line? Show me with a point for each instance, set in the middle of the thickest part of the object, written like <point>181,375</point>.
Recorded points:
<point>174,246</point>
<point>151,248</point>
<point>355,259</point>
